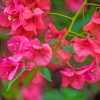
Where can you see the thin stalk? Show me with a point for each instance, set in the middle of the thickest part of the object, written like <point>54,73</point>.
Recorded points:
<point>58,14</point>
<point>74,19</point>
<point>93,4</point>
<point>77,34</point>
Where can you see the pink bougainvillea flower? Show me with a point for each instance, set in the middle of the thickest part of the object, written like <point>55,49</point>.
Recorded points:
<point>18,29</point>
<point>20,46</point>
<point>97,57</point>
<point>34,51</point>
<point>42,53</point>
<point>32,20</point>
<point>76,78</point>
<point>93,73</point>
<point>74,5</point>
<point>84,47</point>
<point>30,49</point>
<point>8,68</point>
<point>33,92</point>
<point>4,22</point>
<point>94,25</point>
<point>53,33</point>
<point>12,11</point>
<point>15,42</point>
<point>42,4</point>
<point>10,14</point>
<point>17,15</point>
<point>70,77</point>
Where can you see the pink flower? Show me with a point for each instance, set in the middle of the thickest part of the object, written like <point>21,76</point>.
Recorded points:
<point>8,68</point>
<point>73,78</point>
<point>84,47</point>
<point>53,33</point>
<point>16,42</point>
<point>93,73</point>
<point>42,53</point>
<point>32,20</point>
<point>94,25</point>
<point>18,29</point>
<point>89,73</point>
<point>12,11</point>
<point>42,4</point>
<point>4,22</point>
<point>33,92</point>
<point>30,50</point>
<point>74,5</point>
<point>97,57</point>
<point>20,46</point>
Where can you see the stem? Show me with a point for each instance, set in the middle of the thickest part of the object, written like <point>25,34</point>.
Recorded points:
<point>74,18</point>
<point>77,34</point>
<point>93,4</point>
<point>58,14</point>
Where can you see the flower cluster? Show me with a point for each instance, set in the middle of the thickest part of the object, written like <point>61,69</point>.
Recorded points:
<point>25,20</point>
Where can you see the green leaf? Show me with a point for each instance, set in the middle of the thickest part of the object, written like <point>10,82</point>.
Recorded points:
<point>69,49</point>
<point>54,59</point>
<point>45,73</point>
<point>53,41</point>
<point>29,77</point>
<point>16,77</point>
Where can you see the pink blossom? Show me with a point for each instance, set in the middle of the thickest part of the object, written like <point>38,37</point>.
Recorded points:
<point>33,92</point>
<point>18,29</point>
<point>12,11</point>
<point>34,51</point>
<point>76,78</point>
<point>30,49</point>
<point>8,68</point>
<point>18,16</point>
<point>84,47</point>
<point>42,4</point>
<point>4,22</point>
<point>32,20</point>
<point>94,25</point>
<point>74,5</point>
<point>93,73</point>
<point>16,42</point>
<point>53,33</point>
<point>42,53</point>
<point>21,47</point>
<point>73,78</point>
